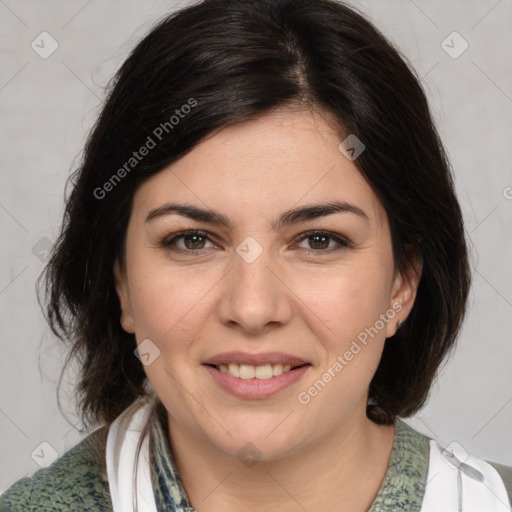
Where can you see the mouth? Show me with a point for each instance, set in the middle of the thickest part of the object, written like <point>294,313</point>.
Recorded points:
<point>255,376</point>
<point>261,372</point>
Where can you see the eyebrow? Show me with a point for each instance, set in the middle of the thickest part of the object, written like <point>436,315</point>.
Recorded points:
<point>291,217</point>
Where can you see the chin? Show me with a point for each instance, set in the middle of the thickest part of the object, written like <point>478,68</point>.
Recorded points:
<point>263,440</point>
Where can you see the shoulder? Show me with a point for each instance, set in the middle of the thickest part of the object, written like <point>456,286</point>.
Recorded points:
<point>75,481</point>
<point>418,447</point>
<point>505,473</point>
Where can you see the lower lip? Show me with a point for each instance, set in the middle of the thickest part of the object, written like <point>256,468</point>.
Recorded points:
<point>256,388</point>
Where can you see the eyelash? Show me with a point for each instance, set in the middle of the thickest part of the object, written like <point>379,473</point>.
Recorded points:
<point>342,242</point>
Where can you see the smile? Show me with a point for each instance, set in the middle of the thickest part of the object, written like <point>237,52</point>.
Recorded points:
<point>255,382</point>
<point>262,372</point>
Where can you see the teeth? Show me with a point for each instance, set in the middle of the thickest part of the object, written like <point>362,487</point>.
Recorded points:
<point>247,372</point>
<point>262,372</point>
<point>234,369</point>
<point>277,369</point>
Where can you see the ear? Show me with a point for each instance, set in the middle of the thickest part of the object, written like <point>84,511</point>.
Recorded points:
<point>121,284</point>
<point>403,293</point>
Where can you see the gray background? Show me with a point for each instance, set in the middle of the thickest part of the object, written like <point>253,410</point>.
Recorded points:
<point>48,105</point>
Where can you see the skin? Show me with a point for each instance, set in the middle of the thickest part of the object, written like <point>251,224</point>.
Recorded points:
<point>295,297</point>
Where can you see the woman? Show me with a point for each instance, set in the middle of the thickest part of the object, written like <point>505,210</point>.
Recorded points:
<point>262,265</point>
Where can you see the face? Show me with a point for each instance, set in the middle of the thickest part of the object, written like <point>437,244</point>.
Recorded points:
<point>259,275</point>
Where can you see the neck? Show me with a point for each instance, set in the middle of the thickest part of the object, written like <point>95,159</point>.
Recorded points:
<point>342,472</point>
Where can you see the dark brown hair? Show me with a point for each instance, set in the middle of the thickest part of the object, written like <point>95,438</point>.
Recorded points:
<point>231,61</point>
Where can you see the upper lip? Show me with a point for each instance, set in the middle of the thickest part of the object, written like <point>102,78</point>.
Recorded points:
<point>255,359</point>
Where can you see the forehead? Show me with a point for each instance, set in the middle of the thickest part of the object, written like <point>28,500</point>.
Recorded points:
<point>264,166</point>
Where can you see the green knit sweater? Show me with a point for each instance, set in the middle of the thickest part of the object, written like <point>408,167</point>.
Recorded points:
<point>78,481</point>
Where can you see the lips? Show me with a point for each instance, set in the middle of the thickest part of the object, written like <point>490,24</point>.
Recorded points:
<point>255,375</point>
<point>255,359</point>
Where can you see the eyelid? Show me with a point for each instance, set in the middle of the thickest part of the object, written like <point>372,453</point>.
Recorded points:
<point>167,240</point>
<point>341,241</point>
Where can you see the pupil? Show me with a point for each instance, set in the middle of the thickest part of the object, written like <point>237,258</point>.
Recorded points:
<point>319,237</point>
<point>193,237</point>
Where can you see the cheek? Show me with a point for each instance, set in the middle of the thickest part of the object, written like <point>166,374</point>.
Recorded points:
<point>167,309</point>
<point>167,305</point>
<point>347,308</point>
<point>346,300</point>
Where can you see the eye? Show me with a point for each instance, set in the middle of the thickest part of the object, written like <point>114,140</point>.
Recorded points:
<point>319,241</point>
<point>192,240</point>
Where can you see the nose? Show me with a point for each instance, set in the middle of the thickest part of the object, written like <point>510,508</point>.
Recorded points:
<point>255,296</point>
